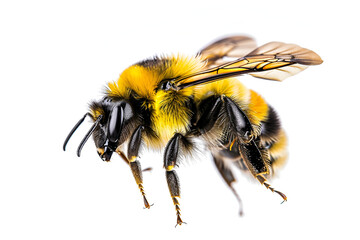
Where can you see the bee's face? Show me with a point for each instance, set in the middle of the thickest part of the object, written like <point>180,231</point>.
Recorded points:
<point>114,117</point>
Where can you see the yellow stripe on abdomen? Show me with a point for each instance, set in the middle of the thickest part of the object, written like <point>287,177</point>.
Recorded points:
<point>278,151</point>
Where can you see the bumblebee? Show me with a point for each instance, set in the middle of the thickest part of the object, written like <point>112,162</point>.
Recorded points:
<point>168,102</point>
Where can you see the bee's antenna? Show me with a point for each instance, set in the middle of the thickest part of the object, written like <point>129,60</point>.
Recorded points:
<point>92,129</point>
<point>73,130</point>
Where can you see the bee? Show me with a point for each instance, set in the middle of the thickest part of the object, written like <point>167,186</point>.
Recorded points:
<point>168,102</point>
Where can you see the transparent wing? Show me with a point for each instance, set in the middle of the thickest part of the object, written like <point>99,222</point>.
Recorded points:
<point>281,50</point>
<point>225,48</point>
<point>273,61</point>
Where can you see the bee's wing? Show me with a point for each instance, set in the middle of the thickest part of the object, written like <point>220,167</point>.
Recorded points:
<point>273,61</point>
<point>301,58</point>
<point>229,47</point>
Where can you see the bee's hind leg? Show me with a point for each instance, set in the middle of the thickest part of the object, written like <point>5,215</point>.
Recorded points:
<point>254,160</point>
<point>263,181</point>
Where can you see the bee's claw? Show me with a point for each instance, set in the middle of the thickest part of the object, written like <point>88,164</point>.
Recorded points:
<point>179,221</point>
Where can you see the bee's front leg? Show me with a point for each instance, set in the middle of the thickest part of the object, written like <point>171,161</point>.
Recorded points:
<point>133,152</point>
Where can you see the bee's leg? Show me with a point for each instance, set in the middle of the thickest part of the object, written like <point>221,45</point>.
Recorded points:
<point>228,176</point>
<point>254,160</point>
<point>123,156</point>
<point>170,161</point>
<point>237,120</point>
<point>126,160</point>
<point>133,152</point>
<point>211,109</point>
<point>263,181</point>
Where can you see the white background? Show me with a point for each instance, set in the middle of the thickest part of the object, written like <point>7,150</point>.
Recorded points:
<point>56,56</point>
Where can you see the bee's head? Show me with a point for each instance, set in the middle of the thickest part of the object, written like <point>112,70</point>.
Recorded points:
<point>110,118</point>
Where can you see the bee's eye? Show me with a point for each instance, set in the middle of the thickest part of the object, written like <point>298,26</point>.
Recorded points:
<point>116,122</point>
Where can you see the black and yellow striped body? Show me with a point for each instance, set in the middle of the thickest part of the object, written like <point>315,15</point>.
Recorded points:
<point>169,117</point>
<point>166,102</point>
<point>165,113</point>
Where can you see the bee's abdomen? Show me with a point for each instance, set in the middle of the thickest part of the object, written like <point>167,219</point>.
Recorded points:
<point>270,126</point>
<point>274,139</point>
<point>267,127</point>
<point>278,151</point>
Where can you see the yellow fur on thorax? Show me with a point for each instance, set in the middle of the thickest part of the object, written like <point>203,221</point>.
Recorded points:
<point>144,80</point>
<point>169,113</point>
<point>135,79</point>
